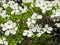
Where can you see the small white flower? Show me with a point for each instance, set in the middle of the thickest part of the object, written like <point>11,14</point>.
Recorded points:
<point>25,33</point>
<point>31,26</point>
<point>34,16</point>
<point>17,12</point>
<point>47,29</point>
<point>28,33</point>
<point>24,9</point>
<point>30,21</point>
<point>5,6</point>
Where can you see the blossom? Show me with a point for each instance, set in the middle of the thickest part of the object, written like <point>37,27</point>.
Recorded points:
<point>5,6</point>
<point>27,33</point>
<point>30,21</point>
<point>47,28</point>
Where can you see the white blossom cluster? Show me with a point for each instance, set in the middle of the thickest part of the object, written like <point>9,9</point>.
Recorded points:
<point>9,28</point>
<point>46,5</point>
<point>16,9</point>
<point>39,30</point>
<point>3,41</point>
<point>31,21</point>
<point>35,28</point>
<point>56,13</point>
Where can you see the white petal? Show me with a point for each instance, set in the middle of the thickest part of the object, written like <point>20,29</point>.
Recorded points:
<point>13,32</point>
<point>13,12</point>
<point>50,28</point>
<point>1,42</point>
<point>24,34</point>
<point>39,17</point>
<point>5,43</point>
<point>7,33</point>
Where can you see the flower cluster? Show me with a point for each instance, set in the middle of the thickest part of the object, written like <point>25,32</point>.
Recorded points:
<point>30,18</point>
<point>9,28</point>
<point>31,21</point>
<point>46,5</point>
<point>3,41</point>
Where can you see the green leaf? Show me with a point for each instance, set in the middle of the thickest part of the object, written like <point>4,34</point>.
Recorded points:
<point>8,11</point>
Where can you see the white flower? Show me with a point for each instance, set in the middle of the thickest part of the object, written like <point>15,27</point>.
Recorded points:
<point>19,41</point>
<point>30,21</point>
<point>31,26</point>
<point>28,33</point>
<point>3,41</point>
<point>47,29</point>
<point>17,12</point>
<point>34,15</point>
<point>24,9</point>
<point>5,6</point>
<point>25,33</point>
